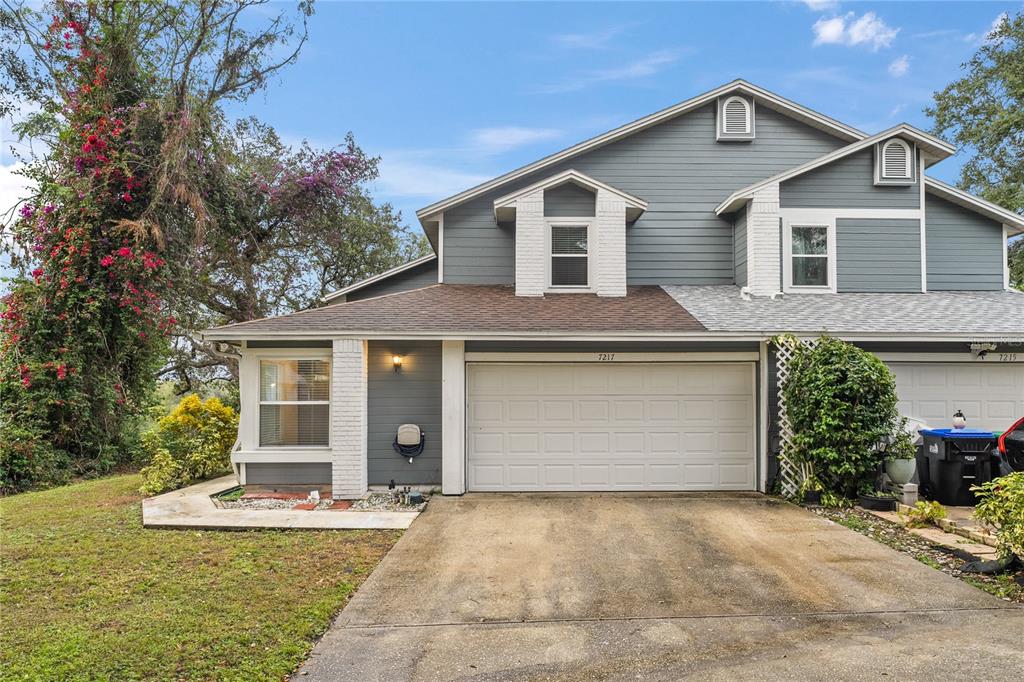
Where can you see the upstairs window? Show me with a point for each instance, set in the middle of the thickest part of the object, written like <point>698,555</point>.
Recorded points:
<point>809,257</point>
<point>570,256</point>
<point>896,158</point>
<point>294,403</point>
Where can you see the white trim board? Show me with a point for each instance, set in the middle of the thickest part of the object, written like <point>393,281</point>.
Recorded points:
<point>966,357</point>
<point>768,98</point>
<point>852,213</point>
<point>283,456</point>
<point>612,357</point>
<point>384,275</point>
<point>577,178</point>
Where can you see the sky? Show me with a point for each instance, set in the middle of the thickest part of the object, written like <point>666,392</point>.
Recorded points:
<point>451,94</point>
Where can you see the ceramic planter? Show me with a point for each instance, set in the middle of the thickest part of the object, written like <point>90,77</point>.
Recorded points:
<point>900,471</point>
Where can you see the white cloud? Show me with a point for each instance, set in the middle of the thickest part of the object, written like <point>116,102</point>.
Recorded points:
<point>641,68</point>
<point>503,139</point>
<point>899,66</point>
<point>13,188</point>
<point>848,29</point>
<point>595,40</point>
<point>821,5</point>
<point>404,175</point>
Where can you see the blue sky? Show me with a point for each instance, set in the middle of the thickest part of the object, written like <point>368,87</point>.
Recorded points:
<point>451,94</point>
<point>455,93</point>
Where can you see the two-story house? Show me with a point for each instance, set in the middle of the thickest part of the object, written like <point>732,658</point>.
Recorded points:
<point>600,319</point>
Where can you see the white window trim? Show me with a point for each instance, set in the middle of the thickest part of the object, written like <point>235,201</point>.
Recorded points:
<point>591,256</point>
<point>746,108</point>
<point>788,287</point>
<point>256,403</point>
<point>908,171</point>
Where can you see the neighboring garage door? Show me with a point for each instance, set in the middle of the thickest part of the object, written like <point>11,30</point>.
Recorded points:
<point>991,394</point>
<point>595,426</point>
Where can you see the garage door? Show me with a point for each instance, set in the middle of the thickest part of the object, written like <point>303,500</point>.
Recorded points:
<point>580,426</point>
<point>991,394</point>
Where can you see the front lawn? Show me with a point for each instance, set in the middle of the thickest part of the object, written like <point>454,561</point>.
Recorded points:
<point>87,592</point>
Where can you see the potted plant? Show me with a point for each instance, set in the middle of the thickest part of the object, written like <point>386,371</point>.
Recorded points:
<point>877,500</point>
<point>811,490</point>
<point>900,456</point>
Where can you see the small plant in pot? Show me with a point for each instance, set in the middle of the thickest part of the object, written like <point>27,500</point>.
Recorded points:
<point>877,500</point>
<point>900,456</point>
<point>810,491</point>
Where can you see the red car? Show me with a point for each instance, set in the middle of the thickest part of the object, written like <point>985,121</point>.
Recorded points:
<point>1011,446</point>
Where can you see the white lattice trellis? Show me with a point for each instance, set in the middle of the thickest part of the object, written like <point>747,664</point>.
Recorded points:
<point>791,473</point>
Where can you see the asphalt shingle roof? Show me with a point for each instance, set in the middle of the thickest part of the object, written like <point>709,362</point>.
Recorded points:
<point>721,309</point>
<point>475,308</point>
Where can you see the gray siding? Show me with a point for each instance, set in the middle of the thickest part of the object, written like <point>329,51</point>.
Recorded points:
<point>680,170</point>
<point>878,255</point>
<point>422,275</point>
<point>411,396</point>
<point>847,183</point>
<point>296,473</point>
<point>964,249</point>
<point>569,200</point>
<point>739,246</point>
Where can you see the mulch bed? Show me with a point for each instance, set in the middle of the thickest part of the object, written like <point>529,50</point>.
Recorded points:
<point>1008,586</point>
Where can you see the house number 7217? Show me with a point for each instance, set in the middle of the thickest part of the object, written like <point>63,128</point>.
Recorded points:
<point>605,357</point>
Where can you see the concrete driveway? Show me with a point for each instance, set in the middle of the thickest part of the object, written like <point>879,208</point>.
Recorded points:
<point>615,586</point>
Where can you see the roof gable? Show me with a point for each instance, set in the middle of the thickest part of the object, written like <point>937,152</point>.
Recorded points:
<point>762,97</point>
<point>634,205</point>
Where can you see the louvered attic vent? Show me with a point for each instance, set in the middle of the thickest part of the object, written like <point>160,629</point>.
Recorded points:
<point>736,119</point>
<point>895,160</point>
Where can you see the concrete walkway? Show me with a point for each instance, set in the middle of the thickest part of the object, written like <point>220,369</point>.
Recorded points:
<point>582,587</point>
<point>192,507</point>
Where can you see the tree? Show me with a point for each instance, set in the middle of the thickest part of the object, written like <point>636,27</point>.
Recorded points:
<point>983,112</point>
<point>127,92</point>
<point>292,226</point>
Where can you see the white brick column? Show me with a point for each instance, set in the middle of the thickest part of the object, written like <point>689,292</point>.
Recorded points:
<point>531,251</point>
<point>348,419</point>
<point>453,417</point>
<point>610,244</point>
<point>764,255</point>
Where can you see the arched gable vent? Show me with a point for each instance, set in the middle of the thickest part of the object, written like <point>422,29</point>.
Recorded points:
<point>896,160</point>
<point>736,113</point>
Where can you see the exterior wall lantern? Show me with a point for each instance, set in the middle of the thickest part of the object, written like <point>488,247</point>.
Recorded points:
<point>396,360</point>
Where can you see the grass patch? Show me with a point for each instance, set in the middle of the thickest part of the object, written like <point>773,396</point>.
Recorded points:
<point>86,592</point>
<point>231,495</point>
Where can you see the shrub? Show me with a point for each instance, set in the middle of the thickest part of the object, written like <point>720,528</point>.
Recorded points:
<point>193,442</point>
<point>1000,503</point>
<point>841,402</point>
<point>924,514</point>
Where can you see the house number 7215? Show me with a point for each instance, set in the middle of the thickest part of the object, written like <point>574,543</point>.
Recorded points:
<point>605,357</point>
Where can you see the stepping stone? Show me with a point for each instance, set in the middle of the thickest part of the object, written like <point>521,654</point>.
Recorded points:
<point>340,505</point>
<point>306,506</point>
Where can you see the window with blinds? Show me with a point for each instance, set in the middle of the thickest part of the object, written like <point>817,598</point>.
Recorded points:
<point>569,256</point>
<point>896,160</point>
<point>736,117</point>
<point>294,403</point>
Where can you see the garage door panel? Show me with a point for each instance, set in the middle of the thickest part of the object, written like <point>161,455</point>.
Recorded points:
<point>990,394</point>
<point>683,423</point>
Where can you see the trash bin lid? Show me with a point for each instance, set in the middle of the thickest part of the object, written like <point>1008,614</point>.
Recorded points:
<point>958,433</point>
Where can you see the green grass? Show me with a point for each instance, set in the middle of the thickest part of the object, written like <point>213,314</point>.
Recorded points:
<point>87,593</point>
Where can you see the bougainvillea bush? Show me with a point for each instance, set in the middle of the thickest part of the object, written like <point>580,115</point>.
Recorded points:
<point>841,402</point>
<point>193,442</point>
<point>81,338</point>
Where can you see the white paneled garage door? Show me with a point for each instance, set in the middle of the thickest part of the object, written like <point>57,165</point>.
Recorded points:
<point>595,426</point>
<point>991,394</point>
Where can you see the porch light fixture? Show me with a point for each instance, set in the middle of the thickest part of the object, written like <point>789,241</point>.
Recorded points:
<point>396,360</point>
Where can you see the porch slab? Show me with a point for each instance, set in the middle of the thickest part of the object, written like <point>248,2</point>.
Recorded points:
<point>192,507</point>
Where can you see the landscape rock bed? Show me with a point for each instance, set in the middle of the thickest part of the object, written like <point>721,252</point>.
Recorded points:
<point>1008,586</point>
<point>268,503</point>
<point>385,502</point>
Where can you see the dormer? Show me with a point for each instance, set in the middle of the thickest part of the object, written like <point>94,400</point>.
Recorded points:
<point>559,252</point>
<point>895,162</point>
<point>735,119</point>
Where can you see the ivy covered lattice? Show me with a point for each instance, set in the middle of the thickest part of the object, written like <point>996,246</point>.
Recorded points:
<point>792,473</point>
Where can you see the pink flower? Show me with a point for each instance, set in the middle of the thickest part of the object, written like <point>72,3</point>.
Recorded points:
<point>126,196</point>
<point>124,252</point>
<point>107,261</point>
<point>62,371</point>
